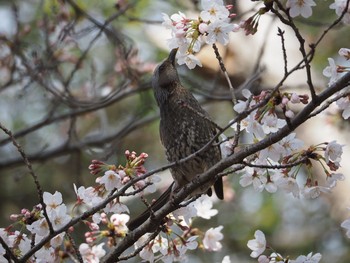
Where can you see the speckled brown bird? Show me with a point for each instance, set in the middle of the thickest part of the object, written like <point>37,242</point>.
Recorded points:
<point>185,127</point>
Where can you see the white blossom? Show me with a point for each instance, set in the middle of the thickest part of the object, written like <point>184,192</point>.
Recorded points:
<point>186,213</point>
<point>271,123</point>
<point>331,72</point>
<point>213,10</point>
<point>339,6</point>
<point>344,104</point>
<point>204,205</point>
<point>346,225</point>
<point>251,177</point>
<point>290,144</point>
<point>344,52</point>
<point>190,60</point>
<point>110,180</point>
<point>92,254</point>
<point>308,259</point>
<point>333,152</point>
<point>226,259</point>
<point>218,32</point>
<point>212,237</point>
<point>119,221</point>
<point>300,7</point>
<point>287,183</point>
<point>331,179</point>
<point>52,201</point>
<point>312,192</point>
<point>257,245</point>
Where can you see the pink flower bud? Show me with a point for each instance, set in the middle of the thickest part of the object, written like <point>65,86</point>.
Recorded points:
<point>24,211</point>
<point>94,226</point>
<point>295,98</point>
<point>89,240</point>
<point>285,101</point>
<point>125,180</point>
<point>14,217</point>
<point>232,15</point>
<point>289,114</point>
<point>304,98</point>
<point>144,155</point>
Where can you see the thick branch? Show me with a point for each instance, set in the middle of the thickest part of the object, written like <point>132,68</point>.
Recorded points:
<point>234,159</point>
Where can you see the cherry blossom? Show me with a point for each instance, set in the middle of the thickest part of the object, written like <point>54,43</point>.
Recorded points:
<point>188,35</point>
<point>331,179</point>
<point>45,255</point>
<point>52,201</point>
<point>185,213</point>
<point>119,221</point>
<point>59,217</point>
<point>226,259</point>
<point>110,180</point>
<point>251,177</point>
<point>213,10</point>
<point>212,237</point>
<point>160,245</point>
<point>39,227</point>
<point>300,7</point>
<point>263,259</point>
<point>344,104</point>
<point>308,259</point>
<point>312,192</point>
<point>339,6</point>
<point>218,32</point>
<point>241,105</point>
<point>147,254</point>
<point>333,152</point>
<point>273,152</point>
<point>290,144</point>
<point>346,225</point>
<point>204,206</point>
<point>257,245</point>
<point>190,60</point>
<point>271,123</point>
<point>92,254</point>
<point>331,72</point>
<point>288,184</point>
<point>345,52</point>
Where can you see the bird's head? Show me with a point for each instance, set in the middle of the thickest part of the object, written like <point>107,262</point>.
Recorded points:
<point>165,78</point>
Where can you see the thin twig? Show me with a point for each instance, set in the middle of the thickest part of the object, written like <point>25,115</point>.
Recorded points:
<point>31,172</point>
<point>223,69</point>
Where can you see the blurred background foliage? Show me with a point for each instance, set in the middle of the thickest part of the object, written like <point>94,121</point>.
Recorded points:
<point>75,86</point>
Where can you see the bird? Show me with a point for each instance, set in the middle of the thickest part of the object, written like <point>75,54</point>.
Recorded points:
<point>185,127</point>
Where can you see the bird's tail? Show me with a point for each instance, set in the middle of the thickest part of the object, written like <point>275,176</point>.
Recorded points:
<point>159,203</point>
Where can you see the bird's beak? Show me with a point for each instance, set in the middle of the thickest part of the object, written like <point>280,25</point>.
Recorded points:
<point>172,56</point>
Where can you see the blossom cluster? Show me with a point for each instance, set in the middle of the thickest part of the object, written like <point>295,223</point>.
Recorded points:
<point>110,179</point>
<point>108,225</point>
<point>277,166</point>
<point>213,25</point>
<point>171,245</point>
<point>37,225</point>
<point>334,72</point>
<point>258,247</point>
